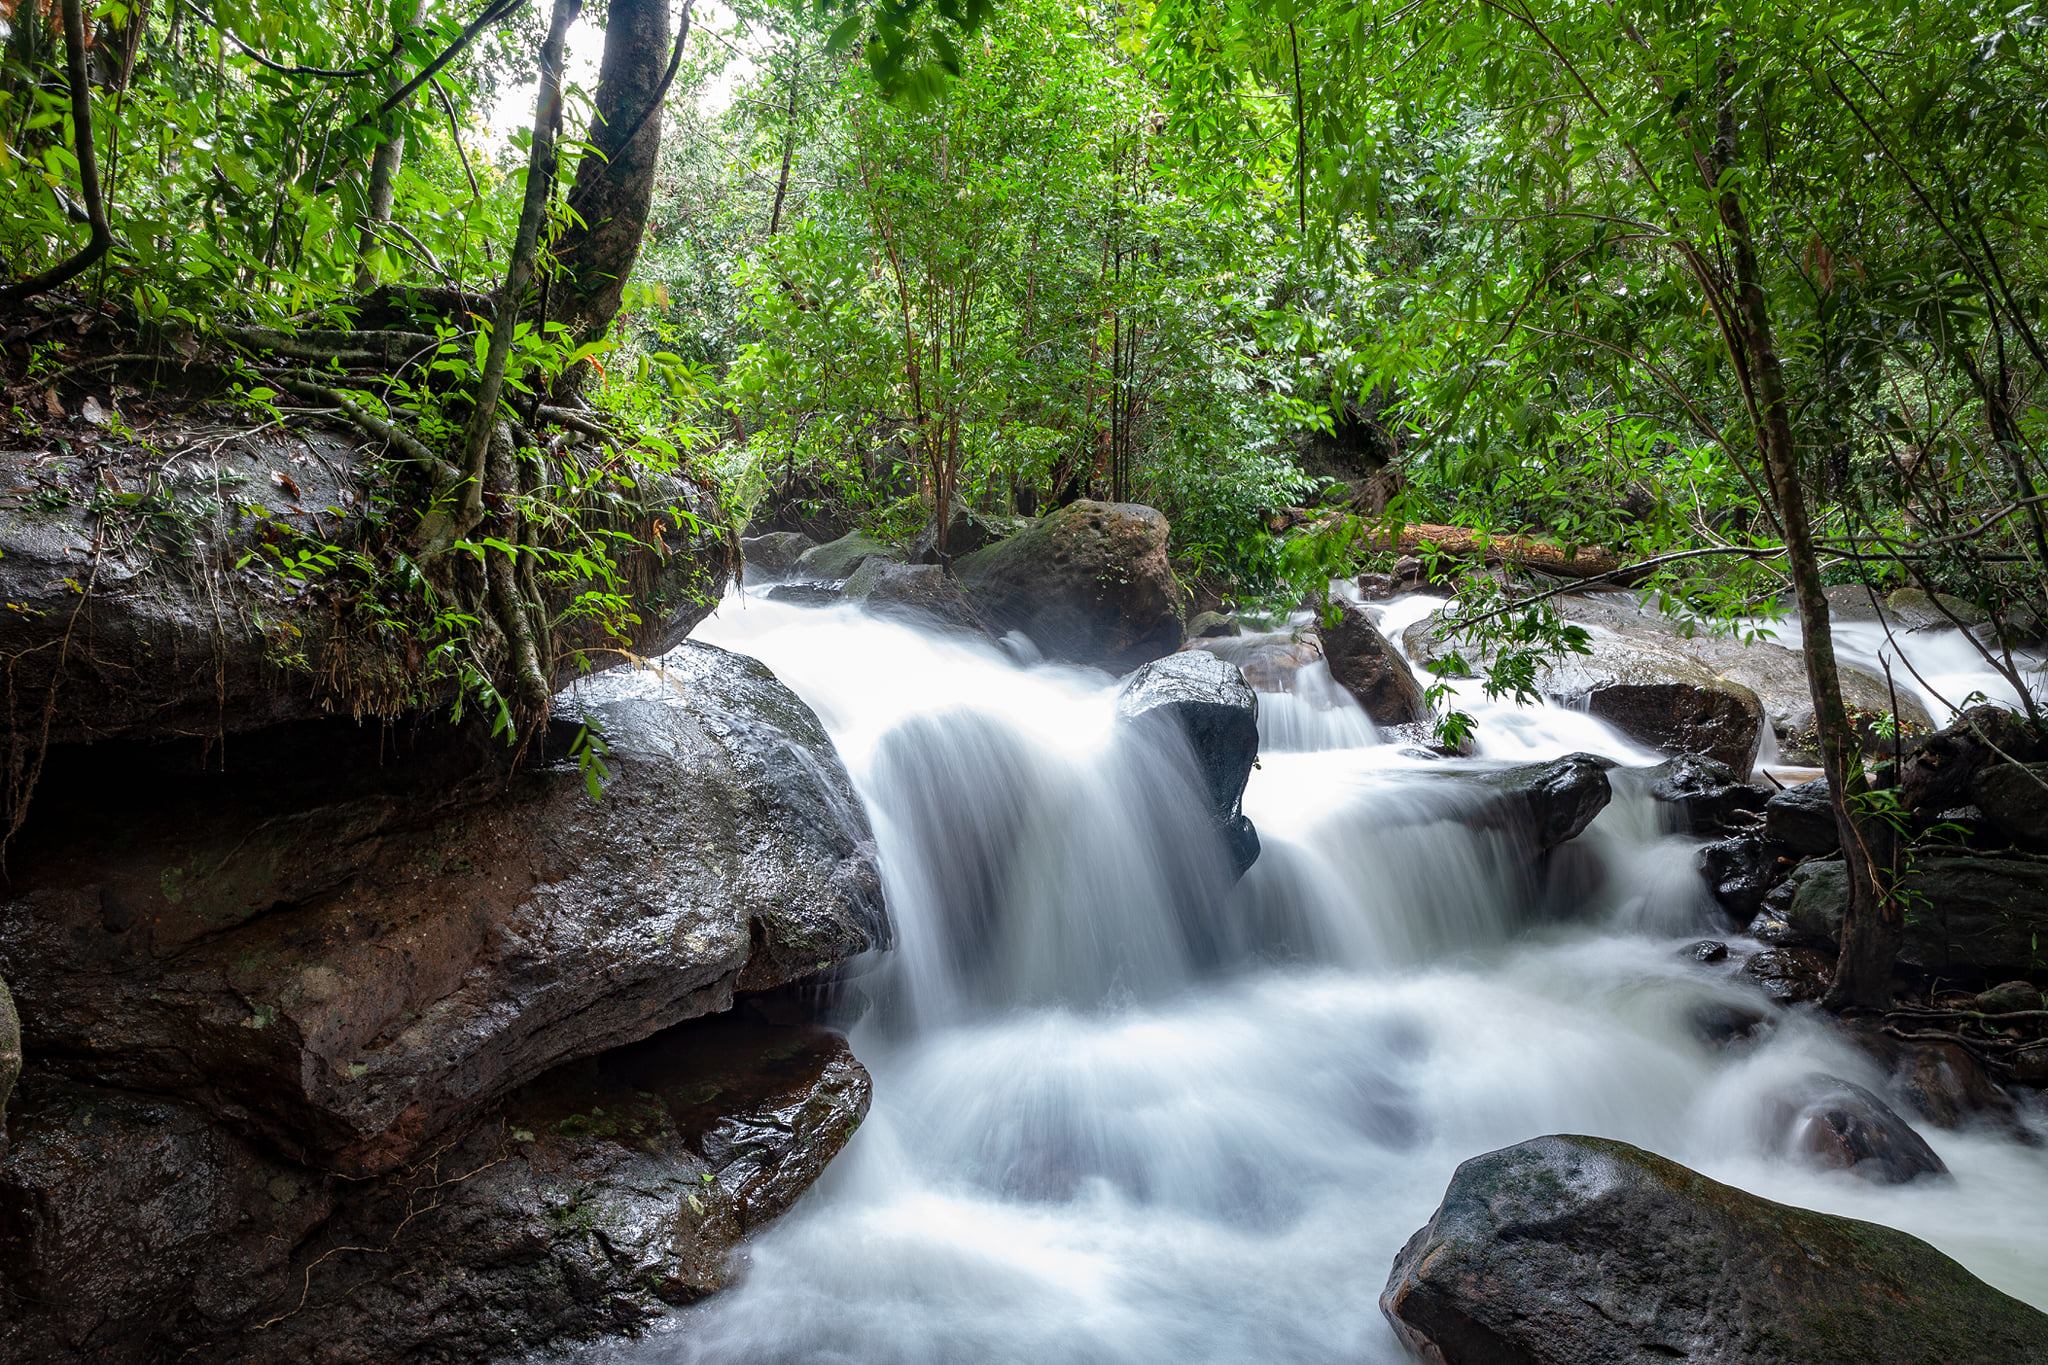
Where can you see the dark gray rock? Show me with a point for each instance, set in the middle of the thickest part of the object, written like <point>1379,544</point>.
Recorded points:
<point>1740,871</point>
<point>1585,1251</point>
<point>1551,802</point>
<point>2009,996</point>
<point>1212,624</point>
<point>163,616</point>
<point>1980,918</point>
<point>1089,584</point>
<point>1707,950</point>
<point>10,1056</point>
<point>807,594</point>
<point>1705,796</point>
<point>920,593</point>
<point>1791,974</point>
<point>2014,798</point>
<point>838,559</point>
<point>1939,771</point>
<point>1722,1023</point>
<point>1269,662</point>
<point>1801,820</point>
<point>772,555</point>
<point>1209,706</point>
<point>137,1228</point>
<point>1838,1124</point>
<point>1366,666</point>
<point>355,964</point>
<point>1918,609</point>
<point>1945,1084</point>
<point>966,532</point>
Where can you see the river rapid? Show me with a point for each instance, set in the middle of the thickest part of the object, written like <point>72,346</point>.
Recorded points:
<point>1125,1111</point>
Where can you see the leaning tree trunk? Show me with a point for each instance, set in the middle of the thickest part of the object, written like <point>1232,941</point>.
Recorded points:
<point>615,179</point>
<point>1872,928</point>
<point>382,190</point>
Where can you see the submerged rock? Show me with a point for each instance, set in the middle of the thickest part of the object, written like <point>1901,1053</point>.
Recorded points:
<point>920,593</point>
<point>353,964</point>
<point>1585,1251</point>
<point>1367,666</point>
<point>137,1228</point>
<point>1089,584</point>
<point>1839,1124</point>
<point>1208,702</point>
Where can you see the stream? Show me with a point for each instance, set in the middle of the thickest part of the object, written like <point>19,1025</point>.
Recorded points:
<point>1126,1112</point>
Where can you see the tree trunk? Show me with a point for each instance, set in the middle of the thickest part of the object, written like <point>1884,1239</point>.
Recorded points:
<point>1872,928</point>
<point>383,186</point>
<point>615,179</point>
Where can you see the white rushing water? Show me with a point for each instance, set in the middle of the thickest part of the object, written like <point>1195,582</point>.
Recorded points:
<point>1125,1112</point>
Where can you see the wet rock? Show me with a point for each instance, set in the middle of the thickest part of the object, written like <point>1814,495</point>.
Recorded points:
<point>1552,802</point>
<point>1740,871</point>
<point>1707,950</point>
<point>920,593</point>
<point>1208,703</point>
<point>1213,624</point>
<point>1838,1124</point>
<point>1722,1023</point>
<point>1801,820</point>
<point>1089,584</point>
<point>1585,1251</point>
<point>2030,1064</point>
<point>351,965</point>
<point>1639,682</point>
<point>2014,798</point>
<point>966,532</point>
<point>1377,587</point>
<point>609,1189</point>
<point>838,559</point>
<point>201,641</point>
<point>1706,796</point>
<point>1918,609</point>
<point>807,594</point>
<point>1946,1085</point>
<point>1366,665</point>
<point>1774,673</point>
<point>1791,975</point>
<point>1980,917</point>
<point>1269,662</point>
<point>772,554</point>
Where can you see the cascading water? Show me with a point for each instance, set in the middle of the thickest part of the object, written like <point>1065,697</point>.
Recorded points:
<point>1126,1112</point>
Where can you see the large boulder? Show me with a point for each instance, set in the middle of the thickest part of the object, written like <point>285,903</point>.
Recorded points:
<point>1548,803</point>
<point>138,1228</point>
<point>1585,1251</point>
<point>920,593</point>
<point>1939,771</point>
<point>772,554</point>
<point>1089,584</point>
<point>839,559</point>
<point>1368,667</point>
<point>1653,694</point>
<point>1206,704</point>
<point>2014,798</point>
<point>1978,919</point>
<point>1774,673</point>
<point>163,608</point>
<point>350,961</point>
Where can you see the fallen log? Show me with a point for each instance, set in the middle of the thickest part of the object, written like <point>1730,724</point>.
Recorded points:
<point>1458,542</point>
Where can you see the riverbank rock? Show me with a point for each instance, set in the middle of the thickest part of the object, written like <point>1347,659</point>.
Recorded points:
<point>1939,771</point>
<point>772,555</point>
<point>1210,706</point>
<point>2014,798</point>
<point>349,959</point>
<point>1367,666</point>
<point>923,594</point>
<point>1549,802</point>
<point>1088,584</point>
<point>1979,920</point>
<point>1585,1251</point>
<point>136,1228</point>
<point>839,559</point>
<point>141,602</point>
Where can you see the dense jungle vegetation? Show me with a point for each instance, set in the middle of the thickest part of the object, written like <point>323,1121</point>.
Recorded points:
<point>1730,303</point>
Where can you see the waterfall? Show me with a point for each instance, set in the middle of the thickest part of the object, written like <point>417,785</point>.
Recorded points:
<point>1127,1111</point>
